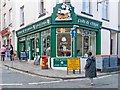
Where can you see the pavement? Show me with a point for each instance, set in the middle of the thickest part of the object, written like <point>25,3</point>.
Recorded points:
<point>29,67</point>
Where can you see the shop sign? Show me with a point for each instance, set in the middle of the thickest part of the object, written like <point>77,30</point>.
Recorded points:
<point>60,62</point>
<point>64,13</point>
<point>33,27</point>
<point>89,22</point>
<point>73,64</point>
<point>5,32</point>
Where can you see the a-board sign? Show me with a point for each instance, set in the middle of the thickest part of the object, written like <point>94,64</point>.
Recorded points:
<point>37,60</point>
<point>73,64</point>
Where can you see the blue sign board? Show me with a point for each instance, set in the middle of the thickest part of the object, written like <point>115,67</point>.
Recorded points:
<point>74,33</point>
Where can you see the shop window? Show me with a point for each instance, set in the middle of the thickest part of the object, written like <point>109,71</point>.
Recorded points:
<point>45,42</point>
<point>37,44</point>
<point>33,44</point>
<point>22,44</point>
<point>28,43</point>
<point>86,40</point>
<point>63,42</point>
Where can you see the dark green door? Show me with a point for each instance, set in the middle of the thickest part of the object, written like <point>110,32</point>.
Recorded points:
<point>32,49</point>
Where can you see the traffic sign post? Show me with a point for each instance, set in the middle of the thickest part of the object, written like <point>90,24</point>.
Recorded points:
<point>74,35</point>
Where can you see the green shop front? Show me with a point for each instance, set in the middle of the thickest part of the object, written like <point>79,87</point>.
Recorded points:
<point>61,36</point>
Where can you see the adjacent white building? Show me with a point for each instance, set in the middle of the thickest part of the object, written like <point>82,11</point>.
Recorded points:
<point>16,14</point>
<point>119,28</point>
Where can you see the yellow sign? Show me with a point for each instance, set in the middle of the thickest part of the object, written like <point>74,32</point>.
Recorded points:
<point>73,64</point>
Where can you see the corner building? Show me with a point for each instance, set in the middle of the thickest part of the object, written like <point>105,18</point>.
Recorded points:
<point>62,29</point>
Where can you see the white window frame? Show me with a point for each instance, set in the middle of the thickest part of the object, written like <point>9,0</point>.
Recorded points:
<point>105,9</point>
<point>41,7</point>
<point>22,15</point>
<point>4,3</point>
<point>4,20</point>
<point>10,16</point>
<point>86,6</point>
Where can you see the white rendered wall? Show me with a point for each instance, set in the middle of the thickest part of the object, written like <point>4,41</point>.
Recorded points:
<point>119,43</point>
<point>105,42</point>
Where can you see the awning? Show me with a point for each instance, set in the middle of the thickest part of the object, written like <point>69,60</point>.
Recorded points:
<point>5,31</point>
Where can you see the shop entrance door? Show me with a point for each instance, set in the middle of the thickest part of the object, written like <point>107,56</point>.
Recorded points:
<point>32,49</point>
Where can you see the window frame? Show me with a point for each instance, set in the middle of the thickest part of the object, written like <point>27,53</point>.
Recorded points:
<point>63,33</point>
<point>105,10</point>
<point>4,20</point>
<point>86,6</point>
<point>22,16</point>
<point>67,1</point>
<point>10,16</point>
<point>41,8</point>
<point>89,35</point>
<point>47,41</point>
<point>4,3</point>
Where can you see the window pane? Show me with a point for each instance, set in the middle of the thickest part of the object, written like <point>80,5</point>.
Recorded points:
<point>45,38</point>
<point>63,45</point>
<point>86,6</point>
<point>22,15</point>
<point>86,40</point>
<point>37,44</point>
<point>79,42</point>
<point>67,1</point>
<point>63,42</point>
<point>105,10</point>
<point>86,44</point>
<point>10,16</point>
<point>63,30</point>
<point>5,20</point>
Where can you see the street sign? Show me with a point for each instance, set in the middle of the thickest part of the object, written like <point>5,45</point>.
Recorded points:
<point>73,64</point>
<point>74,33</point>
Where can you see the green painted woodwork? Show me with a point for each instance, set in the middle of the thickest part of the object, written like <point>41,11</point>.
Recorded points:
<point>39,43</point>
<point>34,26</point>
<point>18,54</point>
<point>53,42</point>
<point>98,42</point>
<point>30,49</point>
<point>63,21</point>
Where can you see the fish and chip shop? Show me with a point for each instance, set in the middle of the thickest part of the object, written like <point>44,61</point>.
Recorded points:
<point>60,36</point>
